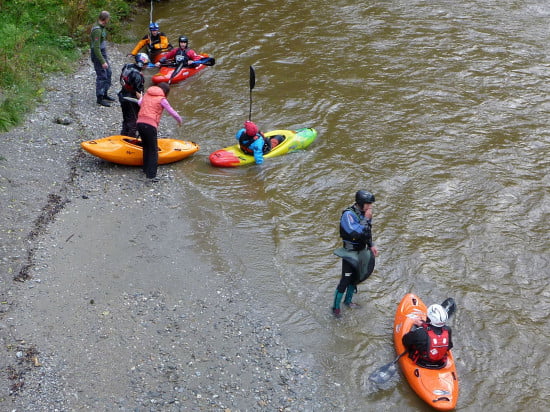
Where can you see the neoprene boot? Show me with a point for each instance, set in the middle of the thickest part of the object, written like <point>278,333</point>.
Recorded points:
<point>349,296</point>
<point>336,306</point>
<point>102,102</point>
<point>109,98</point>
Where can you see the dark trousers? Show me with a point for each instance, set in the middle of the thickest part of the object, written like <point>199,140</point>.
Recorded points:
<point>103,76</point>
<point>129,115</point>
<point>148,135</point>
<point>349,276</point>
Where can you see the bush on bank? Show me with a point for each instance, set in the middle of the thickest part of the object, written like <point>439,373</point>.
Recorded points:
<point>44,37</point>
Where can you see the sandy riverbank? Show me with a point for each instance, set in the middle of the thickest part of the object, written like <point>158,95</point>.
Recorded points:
<point>86,322</point>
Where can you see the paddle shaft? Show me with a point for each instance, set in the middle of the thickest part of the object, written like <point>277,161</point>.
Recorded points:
<point>400,356</point>
<point>178,69</point>
<point>252,84</point>
<point>207,61</point>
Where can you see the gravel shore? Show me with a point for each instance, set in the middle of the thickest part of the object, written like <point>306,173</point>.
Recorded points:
<point>84,329</point>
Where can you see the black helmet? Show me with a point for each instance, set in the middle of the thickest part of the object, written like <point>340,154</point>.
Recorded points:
<point>362,197</point>
<point>183,39</point>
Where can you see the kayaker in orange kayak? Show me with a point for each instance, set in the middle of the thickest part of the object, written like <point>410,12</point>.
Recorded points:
<point>429,342</point>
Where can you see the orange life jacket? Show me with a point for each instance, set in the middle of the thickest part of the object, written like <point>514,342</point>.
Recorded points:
<point>150,110</point>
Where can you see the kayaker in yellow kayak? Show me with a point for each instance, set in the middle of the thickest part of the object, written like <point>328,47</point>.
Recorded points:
<point>253,142</point>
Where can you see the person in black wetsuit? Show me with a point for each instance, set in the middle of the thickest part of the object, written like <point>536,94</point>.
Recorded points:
<point>132,82</point>
<point>358,252</point>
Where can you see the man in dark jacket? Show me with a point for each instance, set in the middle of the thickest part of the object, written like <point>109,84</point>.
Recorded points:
<point>358,252</point>
<point>132,82</point>
<point>98,54</point>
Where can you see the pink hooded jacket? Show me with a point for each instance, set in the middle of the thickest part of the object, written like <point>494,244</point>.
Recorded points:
<point>152,103</point>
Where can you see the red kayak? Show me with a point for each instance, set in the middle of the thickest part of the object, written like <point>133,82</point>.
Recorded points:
<point>166,73</point>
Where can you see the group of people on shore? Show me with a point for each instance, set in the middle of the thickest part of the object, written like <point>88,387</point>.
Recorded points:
<point>428,341</point>
<point>141,109</point>
<point>139,119</point>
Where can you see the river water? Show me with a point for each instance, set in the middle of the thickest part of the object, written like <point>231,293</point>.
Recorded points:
<point>440,109</point>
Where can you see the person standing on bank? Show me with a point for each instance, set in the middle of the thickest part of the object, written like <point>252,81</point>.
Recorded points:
<point>132,82</point>
<point>152,104</point>
<point>358,252</point>
<point>98,54</point>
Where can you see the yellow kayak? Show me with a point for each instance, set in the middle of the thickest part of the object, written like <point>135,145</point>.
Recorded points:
<point>233,156</point>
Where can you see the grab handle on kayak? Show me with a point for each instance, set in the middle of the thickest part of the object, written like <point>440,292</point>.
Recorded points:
<point>443,398</point>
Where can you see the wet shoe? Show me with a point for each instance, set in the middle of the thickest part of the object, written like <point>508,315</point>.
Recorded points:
<point>102,102</point>
<point>107,97</point>
<point>336,313</point>
<point>352,305</point>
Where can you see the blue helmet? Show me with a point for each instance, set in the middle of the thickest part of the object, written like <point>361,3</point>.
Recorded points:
<point>154,27</point>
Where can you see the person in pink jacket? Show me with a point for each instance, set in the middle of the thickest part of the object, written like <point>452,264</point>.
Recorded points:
<point>152,104</point>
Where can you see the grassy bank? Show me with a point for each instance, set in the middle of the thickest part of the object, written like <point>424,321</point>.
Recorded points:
<point>42,37</point>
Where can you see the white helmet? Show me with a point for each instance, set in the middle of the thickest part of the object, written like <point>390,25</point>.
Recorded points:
<point>437,315</point>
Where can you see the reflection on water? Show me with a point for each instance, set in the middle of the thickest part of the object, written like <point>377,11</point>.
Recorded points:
<point>440,110</point>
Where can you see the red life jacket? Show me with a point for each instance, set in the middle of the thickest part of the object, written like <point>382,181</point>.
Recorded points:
<point>438,346</point>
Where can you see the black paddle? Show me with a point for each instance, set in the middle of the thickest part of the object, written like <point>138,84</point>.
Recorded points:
<point>386,372</point>
<point>176,71</point>
<point>252,84</point>
<point>207,61</point>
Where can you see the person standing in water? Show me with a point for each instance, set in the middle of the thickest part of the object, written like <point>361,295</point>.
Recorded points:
<point>358,252</point>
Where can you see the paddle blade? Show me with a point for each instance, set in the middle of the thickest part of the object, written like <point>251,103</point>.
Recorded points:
<point>207,61</point>
<point>252,78</point>
<point>449,305</point>
<point>383,374</point>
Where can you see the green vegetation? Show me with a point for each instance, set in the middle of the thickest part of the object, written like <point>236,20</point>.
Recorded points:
<point>43,37</point>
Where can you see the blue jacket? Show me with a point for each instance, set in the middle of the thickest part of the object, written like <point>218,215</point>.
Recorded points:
<point>355,228</point>
<point>257,146</point>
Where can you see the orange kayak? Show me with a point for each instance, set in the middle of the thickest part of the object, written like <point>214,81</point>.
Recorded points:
<point>436,387</point>
<point>127,151</point>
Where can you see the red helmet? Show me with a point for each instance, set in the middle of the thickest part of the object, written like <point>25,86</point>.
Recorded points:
<point>250,128</point>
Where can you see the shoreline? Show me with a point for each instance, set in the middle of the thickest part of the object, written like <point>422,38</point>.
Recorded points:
<point>85,329</point>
